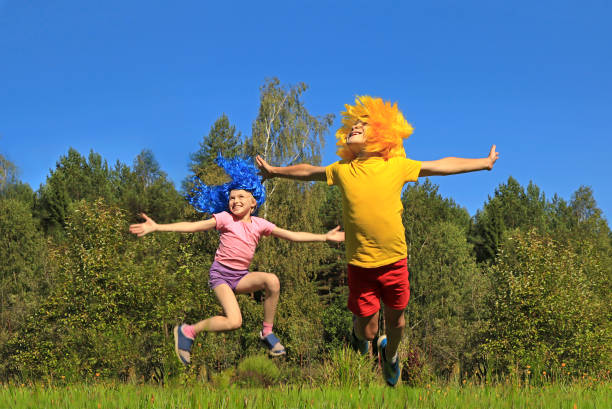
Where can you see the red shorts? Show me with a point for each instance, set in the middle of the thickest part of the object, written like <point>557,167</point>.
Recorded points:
<point>368,285</point>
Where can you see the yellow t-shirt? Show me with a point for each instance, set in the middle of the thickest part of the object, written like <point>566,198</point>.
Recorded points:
<point>372,209</point>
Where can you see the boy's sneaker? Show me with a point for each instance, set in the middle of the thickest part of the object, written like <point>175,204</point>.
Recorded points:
<point>182,345</point>
<point>391,371</point>
<point>361,346</point>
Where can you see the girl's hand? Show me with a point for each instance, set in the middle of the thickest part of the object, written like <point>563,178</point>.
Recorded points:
<point>265,170</point>
<point>141,229</point>
<point>493,156</point>
<point>335,235</point>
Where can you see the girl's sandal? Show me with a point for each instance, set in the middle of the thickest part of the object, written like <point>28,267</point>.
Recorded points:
<point>182,345</point>
<point>275,348</point>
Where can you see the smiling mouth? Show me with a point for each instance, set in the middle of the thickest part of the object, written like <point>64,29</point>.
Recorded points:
<point>352,135</point>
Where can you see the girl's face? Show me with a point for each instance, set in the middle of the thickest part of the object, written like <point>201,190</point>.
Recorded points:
<point>241,203</point>
<point>357,137</point>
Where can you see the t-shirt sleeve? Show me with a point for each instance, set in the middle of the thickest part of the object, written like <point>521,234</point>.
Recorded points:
<point>265,227</point>
<point>411,169</point>
<point>330,173</point>
<point>223,219</point>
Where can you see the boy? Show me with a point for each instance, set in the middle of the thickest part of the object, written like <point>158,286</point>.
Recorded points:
<point>370,176</point>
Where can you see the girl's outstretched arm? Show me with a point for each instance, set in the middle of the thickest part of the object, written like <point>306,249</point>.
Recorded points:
<point>452,166</point>
<point>334,235</point>
<point>303,171</point>
<point>149,226</point>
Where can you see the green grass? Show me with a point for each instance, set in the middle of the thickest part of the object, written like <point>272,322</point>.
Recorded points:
<point>85,396</point>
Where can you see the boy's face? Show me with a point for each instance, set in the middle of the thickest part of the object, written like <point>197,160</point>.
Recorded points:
<point>357,138</point>
<point>241,202</point>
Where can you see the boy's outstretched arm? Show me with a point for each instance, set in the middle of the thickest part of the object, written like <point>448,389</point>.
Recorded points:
<point>334,235</point>
<point>303,171</point>
<point>452,166</point>
<point>149,226</point>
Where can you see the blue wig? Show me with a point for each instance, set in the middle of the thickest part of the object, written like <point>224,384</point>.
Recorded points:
<point>215,199</point>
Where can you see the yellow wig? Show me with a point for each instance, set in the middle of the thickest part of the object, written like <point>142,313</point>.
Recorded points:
<point>386,132</point>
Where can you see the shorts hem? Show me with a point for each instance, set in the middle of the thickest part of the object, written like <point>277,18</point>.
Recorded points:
<point>360,313</point>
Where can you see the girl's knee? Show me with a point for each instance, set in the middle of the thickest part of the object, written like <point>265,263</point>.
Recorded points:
<point>273,284</point>
<point>234,321</point>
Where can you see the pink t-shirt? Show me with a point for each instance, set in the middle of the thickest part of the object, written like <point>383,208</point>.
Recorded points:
<point>239,239</point>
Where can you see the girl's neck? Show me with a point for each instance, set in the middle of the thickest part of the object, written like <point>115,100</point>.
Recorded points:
<point>246,218</point>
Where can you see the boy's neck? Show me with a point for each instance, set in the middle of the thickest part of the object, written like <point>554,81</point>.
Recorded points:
<point>364,155</point>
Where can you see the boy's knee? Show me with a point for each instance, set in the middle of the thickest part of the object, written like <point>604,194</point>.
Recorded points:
<point>370,333</point>
<point>398,323</point>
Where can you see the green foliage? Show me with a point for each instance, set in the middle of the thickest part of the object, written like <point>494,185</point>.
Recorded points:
<point>416,371</point>
<point>336,319</point>
<point>331,276</point>
<point>545,311</point>
<point>143,189</point>
<point>74,178</point>
<point>345,368</point>
<point>93,299</point>
<point>146,189</point>
<point>257,371</point>
<point>8,173</point>
<point>112,302</point>
<point>22,263</point>
<point>223,379</point>
<point>444,280</point>
<point>222,139</point>
<point>511,207</point>
<point>284,132</point>
<point>111,395</point>
<point>10,185</point>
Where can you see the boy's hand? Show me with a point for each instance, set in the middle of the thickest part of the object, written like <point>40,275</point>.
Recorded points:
<point>265,170</point>
<point>493,156</point>
<point>335,235</point>
<point>141,229</point>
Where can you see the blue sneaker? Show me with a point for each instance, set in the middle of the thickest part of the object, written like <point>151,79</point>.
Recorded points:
<point>182,345</point>
<point>391,371</point>
<point>361,346</point>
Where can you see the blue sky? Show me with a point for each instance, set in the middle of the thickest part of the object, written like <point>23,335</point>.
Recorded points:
<point>532,77</point>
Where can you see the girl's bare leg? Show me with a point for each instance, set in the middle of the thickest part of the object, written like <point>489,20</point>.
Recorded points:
<point>262,281</point>
<point>232,319</point>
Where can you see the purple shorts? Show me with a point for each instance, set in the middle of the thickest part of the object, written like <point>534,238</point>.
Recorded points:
<point>220,274</point>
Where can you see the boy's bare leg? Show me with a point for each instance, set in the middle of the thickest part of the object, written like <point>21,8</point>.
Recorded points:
<point>232,319</point>
<point>395,323</point>
<point>262,281</point>
<point>366,327</point>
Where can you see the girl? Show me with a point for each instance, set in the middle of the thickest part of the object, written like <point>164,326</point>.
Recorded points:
<point>232,206</point>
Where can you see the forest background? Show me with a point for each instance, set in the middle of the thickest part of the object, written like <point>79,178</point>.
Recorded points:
<point>522,285</point>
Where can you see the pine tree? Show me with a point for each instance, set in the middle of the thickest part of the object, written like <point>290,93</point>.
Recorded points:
<point>222,139</point>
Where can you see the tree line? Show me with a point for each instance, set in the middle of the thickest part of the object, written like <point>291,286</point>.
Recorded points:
<point>523,283</point>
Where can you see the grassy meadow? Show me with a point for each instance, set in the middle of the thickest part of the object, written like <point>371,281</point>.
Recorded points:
<point>116,395</point>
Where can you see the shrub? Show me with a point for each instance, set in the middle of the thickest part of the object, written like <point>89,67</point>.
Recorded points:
<point>257,371</point>
<point>545,310</point>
